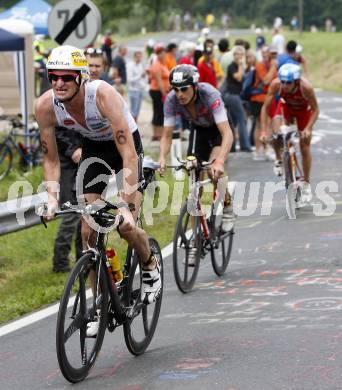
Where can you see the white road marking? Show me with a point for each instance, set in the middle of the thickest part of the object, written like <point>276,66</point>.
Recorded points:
<point>328,118</point>
<point>277,220</point>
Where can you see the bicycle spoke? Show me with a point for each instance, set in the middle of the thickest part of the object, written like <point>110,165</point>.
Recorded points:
<point>140,327</point>
<point>73,327</point>
<point>76,351</point>
<point>83,344</point>
<point>145,319</point>
<point>83,298</point>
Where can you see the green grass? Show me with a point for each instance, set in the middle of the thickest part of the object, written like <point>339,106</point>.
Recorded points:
<point>12,185</point>
<point>26,278</point>
<point>324,56</point>
<point>323,53</point>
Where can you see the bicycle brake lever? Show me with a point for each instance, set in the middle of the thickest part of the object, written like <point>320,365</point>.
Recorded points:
<point>42,220</point>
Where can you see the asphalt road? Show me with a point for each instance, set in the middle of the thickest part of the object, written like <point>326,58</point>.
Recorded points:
<point>273,322</point>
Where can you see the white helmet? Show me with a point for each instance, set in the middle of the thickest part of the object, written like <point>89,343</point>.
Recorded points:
<point>69,58</point>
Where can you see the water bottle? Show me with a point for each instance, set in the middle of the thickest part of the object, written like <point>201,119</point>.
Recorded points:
<point>115,264</point>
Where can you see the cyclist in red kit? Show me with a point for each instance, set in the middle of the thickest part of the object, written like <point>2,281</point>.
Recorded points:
<point>296,103</point>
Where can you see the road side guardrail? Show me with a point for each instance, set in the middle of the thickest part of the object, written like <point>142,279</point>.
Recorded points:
<point>18,214</point>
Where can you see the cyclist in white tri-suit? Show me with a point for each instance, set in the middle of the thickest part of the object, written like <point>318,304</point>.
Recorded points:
<point>99,113</point>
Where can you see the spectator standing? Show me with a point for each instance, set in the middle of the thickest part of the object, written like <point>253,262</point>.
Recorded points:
<point>107,45</point>
<point>178,23</point>
<point>97,63</point>
<point>278,40</point>
<point>260,41</point>
<point>149,47</point>
<point>159,87</point>
<point>265,72</point>
<point>118,71</point>
<point>225,58</point>
<point>170,56</point>
<point>187,50</point>
<point>225,21</point>
<point>250,67</point>
<point>69,151</point>
<point>294,23</point>
<point>39,65</point>
<point>136,82</point>
<point>293,56</point>
<point>209,68</point>
<point>278,22</point>
<point>187,20</point>
<point>233,102</point>
<point>329,25</point>
<point>209,19</point>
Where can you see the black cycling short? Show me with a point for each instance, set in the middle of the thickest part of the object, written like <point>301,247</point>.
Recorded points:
<point>255,108</point>
<point>158,108</point>
<point>203,140</point>
<point>107,152</point>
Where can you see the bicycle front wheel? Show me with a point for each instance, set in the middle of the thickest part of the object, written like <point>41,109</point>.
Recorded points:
<point>187,237</point>
<point>293,191</point>
<point>142,319</point>
<point>6,160</point>
<point>83,301</point>
<point>221,249</point>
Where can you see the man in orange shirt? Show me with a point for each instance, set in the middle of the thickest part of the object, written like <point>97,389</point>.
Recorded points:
<point>170,57</point>
<point>265,72</point>
<point>159,87</point>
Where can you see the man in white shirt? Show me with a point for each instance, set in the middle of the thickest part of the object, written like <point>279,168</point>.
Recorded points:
<point>278,41</point>
<point>136,81</point>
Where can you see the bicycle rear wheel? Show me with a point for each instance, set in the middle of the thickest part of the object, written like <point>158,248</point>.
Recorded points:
<point>79,305</point>
<point>188,235</point>
<point>142,319</point>
<point>6,160</point>
<point>221,245</point>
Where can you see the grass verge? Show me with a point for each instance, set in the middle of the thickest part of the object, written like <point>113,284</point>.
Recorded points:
<point>323,53</point>
<point>26,278</point>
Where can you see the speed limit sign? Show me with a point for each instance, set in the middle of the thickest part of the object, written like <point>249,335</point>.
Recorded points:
<point>74,22</point>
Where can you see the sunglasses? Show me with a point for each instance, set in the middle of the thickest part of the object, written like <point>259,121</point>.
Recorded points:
<point>93,50</point>
<point>66,78</point>
<point>181,89</point>
<point>286,82</point>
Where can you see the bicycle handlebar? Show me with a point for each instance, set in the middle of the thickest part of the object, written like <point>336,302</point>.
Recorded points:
<point>99,211</point>
<point>202,165</point>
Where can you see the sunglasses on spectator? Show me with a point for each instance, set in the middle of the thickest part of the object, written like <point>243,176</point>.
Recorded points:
<point>181,89</point>
<point>286,82</point>
<point>66,78</point>
<point>93,50</point>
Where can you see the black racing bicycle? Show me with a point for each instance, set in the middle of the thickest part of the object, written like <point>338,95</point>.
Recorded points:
<point>91,295</point>
<point>293,175</point>
<point>196,233</point>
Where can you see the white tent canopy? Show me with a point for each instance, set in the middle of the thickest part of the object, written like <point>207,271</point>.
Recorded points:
<point>16,70</point>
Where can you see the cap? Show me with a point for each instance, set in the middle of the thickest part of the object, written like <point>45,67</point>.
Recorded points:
<point>299,48</point>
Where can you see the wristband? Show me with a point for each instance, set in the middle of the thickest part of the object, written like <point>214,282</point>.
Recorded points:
<point>217,160</point>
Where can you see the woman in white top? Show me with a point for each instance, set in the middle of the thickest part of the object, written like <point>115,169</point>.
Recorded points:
<point>136,80</point>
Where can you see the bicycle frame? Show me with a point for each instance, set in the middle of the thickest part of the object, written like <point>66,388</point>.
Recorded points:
<point>102,261</point>
<point>288,140</point>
